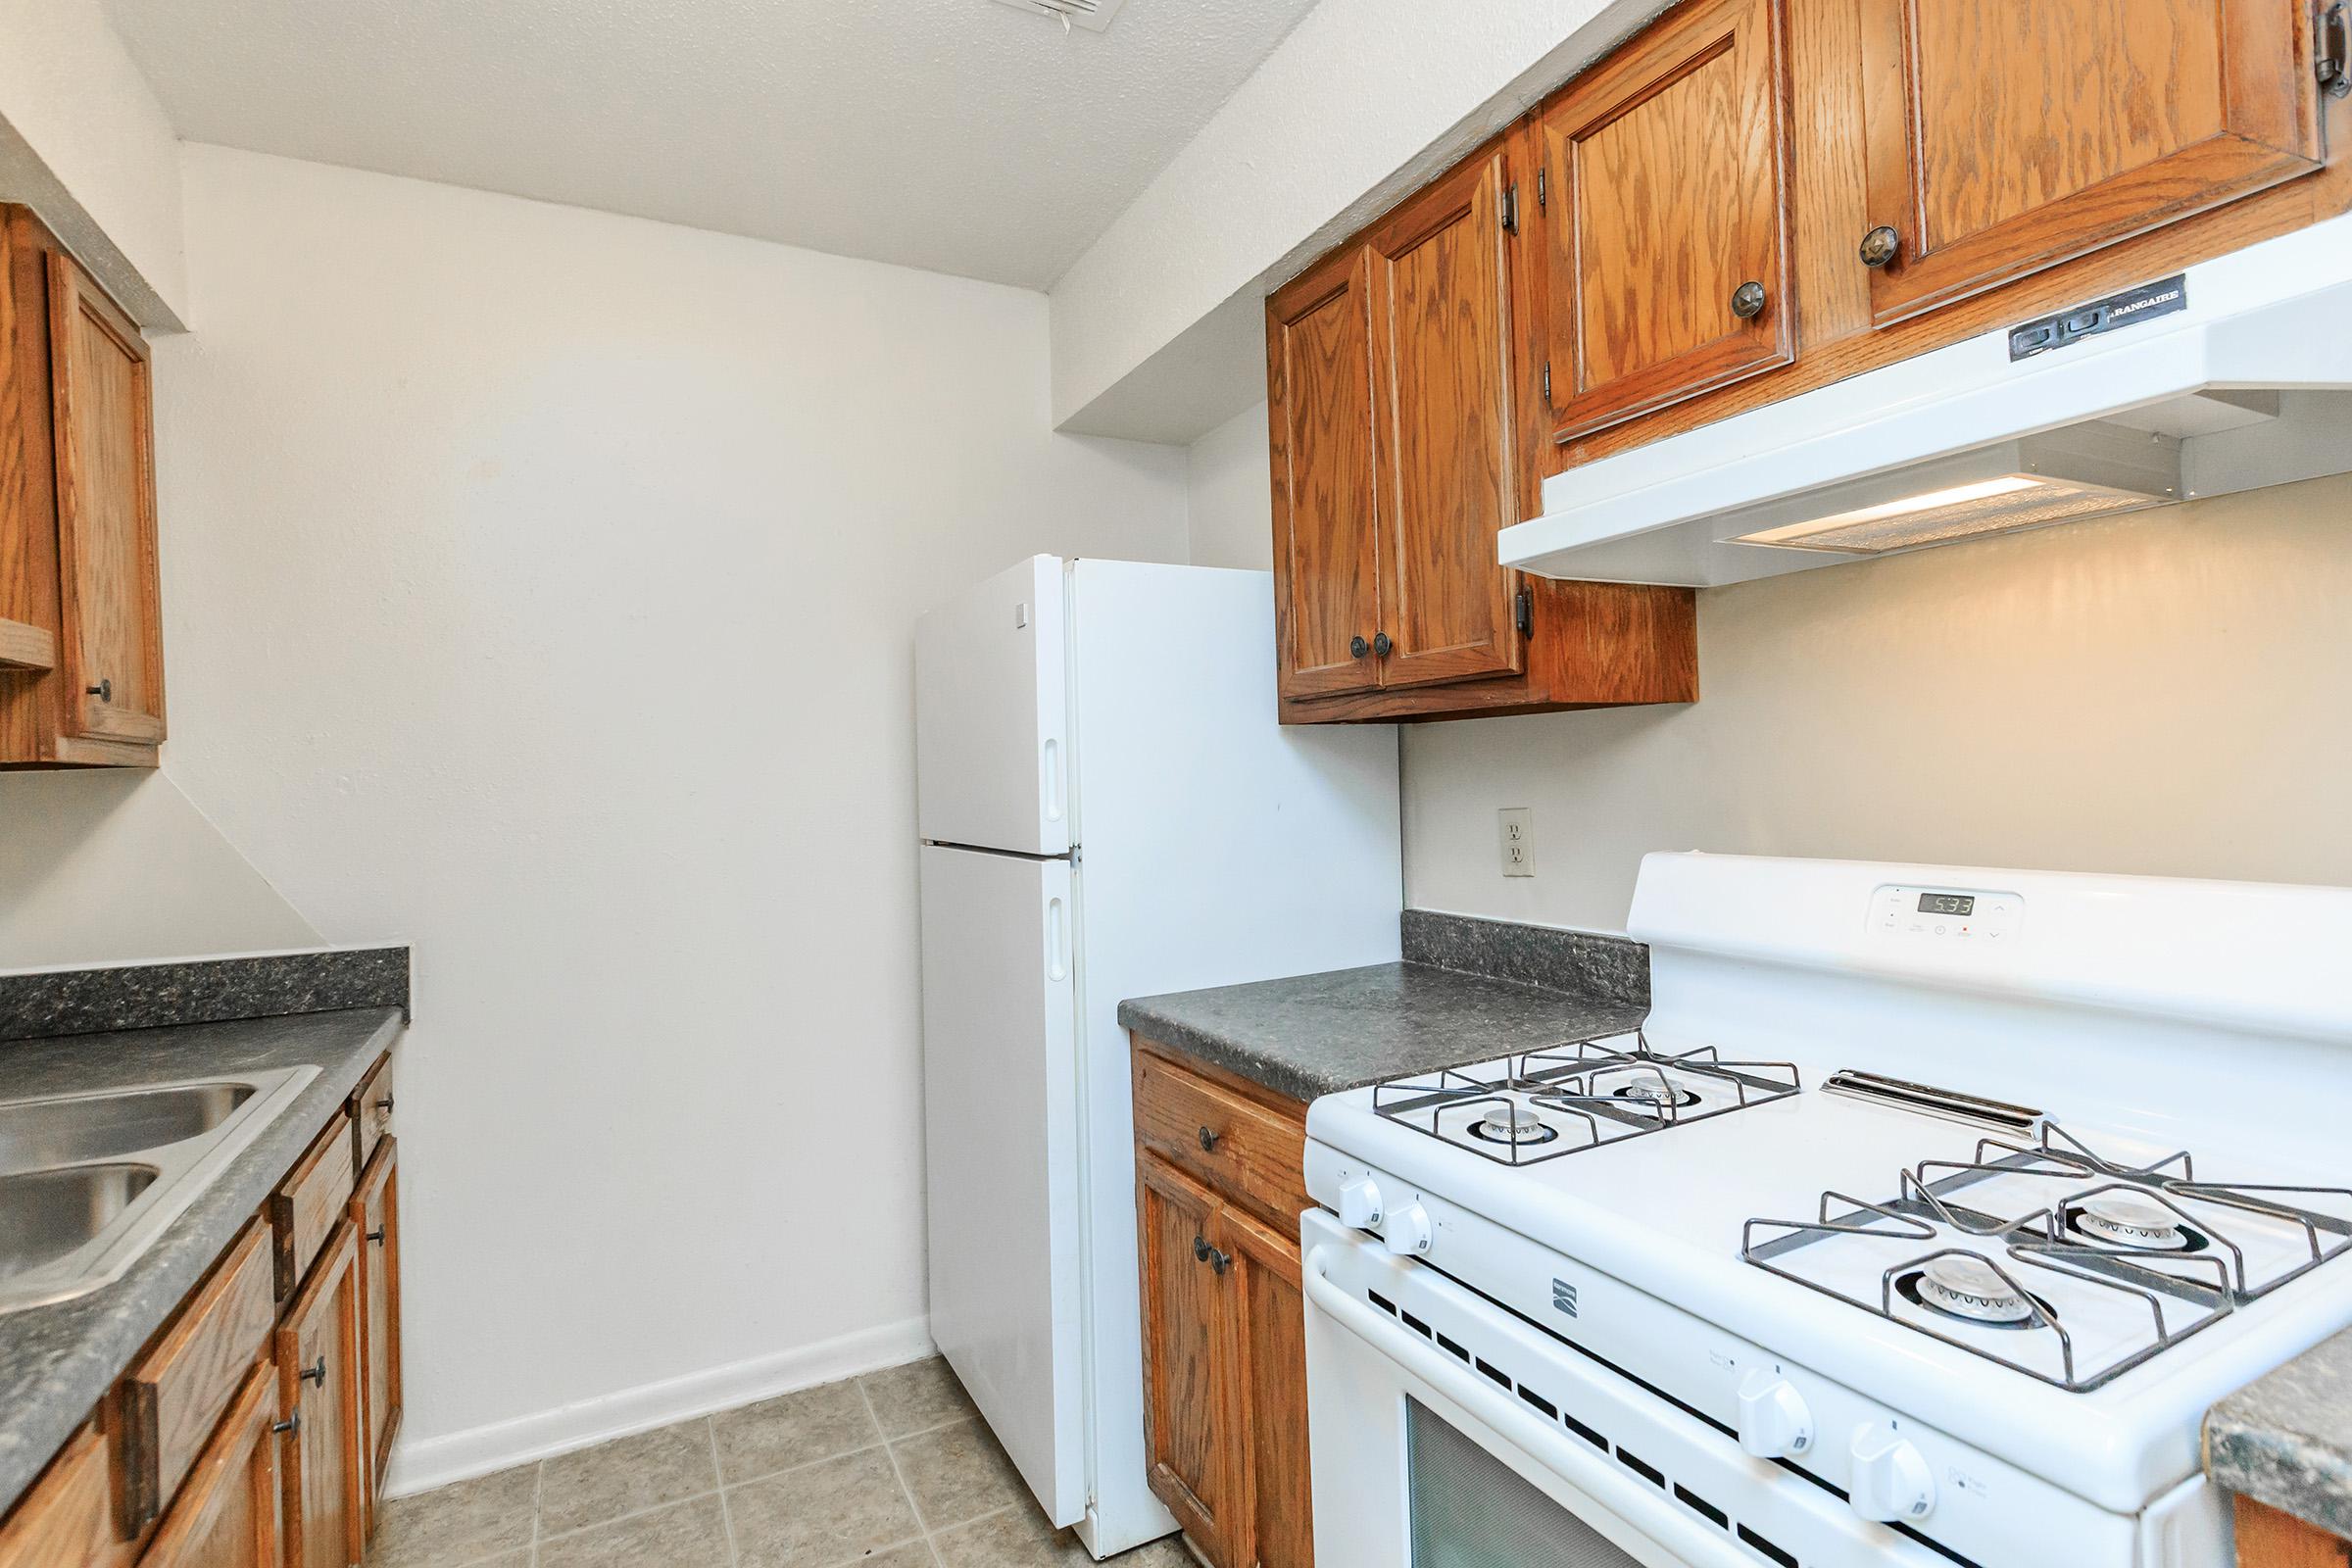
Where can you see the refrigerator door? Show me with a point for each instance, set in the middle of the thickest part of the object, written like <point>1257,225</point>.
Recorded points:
<point>992,716</point>
<point>1000,1111</point>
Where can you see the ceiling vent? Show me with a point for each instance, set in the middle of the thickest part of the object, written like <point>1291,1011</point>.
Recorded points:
<point>1092,15</point>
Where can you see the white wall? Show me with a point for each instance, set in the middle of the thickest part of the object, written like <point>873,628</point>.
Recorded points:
<point>541,588</point>
<point>1355,107</point>
<point>117,865</point>
<point>84,142</point>
<point>1230,503</point>
<point>2164,694</point>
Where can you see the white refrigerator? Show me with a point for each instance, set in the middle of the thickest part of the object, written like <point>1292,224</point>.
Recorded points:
<point>1108,809</point>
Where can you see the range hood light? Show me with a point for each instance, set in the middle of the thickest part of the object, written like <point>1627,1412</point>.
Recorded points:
<point>2001,505</point>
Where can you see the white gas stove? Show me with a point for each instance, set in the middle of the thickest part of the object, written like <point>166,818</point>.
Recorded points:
<point>1920,1223</point>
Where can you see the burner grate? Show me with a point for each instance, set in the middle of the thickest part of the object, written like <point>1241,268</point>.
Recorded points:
<point>2046,1240</point>
<point>1598,1094</point>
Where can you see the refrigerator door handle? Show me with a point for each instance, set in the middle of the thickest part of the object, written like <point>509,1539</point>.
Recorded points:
<point>1052,760</point>
<point>1057,940</point>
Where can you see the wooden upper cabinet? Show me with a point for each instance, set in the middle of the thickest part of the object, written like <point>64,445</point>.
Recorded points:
<point>101,413</point>
<point>1442,422</point>
<point>2007,135</point>
<point>1666,214</point>
<point>1319,427</point>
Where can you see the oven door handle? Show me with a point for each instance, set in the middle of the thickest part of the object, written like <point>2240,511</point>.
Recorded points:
<point>1584,1467</point>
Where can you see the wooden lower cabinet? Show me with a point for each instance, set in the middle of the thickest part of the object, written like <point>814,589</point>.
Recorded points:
<point>67,1519</point>
<point>228,1513</point>
<point>376,1211</point>
<point>1224,1326</point>
<point>2269,1538</point>
<point>320,1401</point>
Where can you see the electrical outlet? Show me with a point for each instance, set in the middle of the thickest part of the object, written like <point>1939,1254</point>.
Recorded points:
<point>1516,825</point>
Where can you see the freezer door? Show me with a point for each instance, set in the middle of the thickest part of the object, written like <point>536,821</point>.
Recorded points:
<point>992,716</point>
<point>1000,1124</point>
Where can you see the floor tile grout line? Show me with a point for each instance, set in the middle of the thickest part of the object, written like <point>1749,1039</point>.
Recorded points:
<point>890,1454</point>
<point>718,1472</point>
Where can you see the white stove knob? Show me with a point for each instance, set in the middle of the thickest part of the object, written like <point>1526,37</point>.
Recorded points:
<point>1891,1481</point>
<point>1774,1422</point>
<point>1360,1204</point>
<point>1407,1230</point>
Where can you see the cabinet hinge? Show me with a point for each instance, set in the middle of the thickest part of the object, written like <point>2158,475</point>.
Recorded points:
<point>2332,43</point>
<point>1548,383</point>
<point>1524,606</point>
<point>1510,208</point>
<point>1541,200</point>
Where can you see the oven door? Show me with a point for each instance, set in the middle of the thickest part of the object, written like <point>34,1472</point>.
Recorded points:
<point>1448,1433</point>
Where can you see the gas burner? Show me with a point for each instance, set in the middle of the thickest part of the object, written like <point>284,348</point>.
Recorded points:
<point>1964,1286</point>
<point>1513,1124</point>
<point>1658,1097</point>
<point>2122,1219</point>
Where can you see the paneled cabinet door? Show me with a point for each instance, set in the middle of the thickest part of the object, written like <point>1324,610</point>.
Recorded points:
<point>1442,425</point>
<point>67,1520</point>
<point>375,1210</point>
<point>227,1513</point>
<point>1319,424</point>
<point>318,1396</point>
<point>1665,214</point>
<point>102,417</point>
<point>1271,1337</point>
<point>1190,1433</point>
<point>2007,135</point>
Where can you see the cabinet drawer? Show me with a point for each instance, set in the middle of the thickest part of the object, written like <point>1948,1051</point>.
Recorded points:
<point>65,1521</point>
<point>173,1395</point>
<point>303,1209</point>
<point>371,1110</point>
<point>1248,1152</point>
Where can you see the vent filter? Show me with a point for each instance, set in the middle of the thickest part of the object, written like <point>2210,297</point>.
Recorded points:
<point>2089,471</point>
<point>1092,15</point>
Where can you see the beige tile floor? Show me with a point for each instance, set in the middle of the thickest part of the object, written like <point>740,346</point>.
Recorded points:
<point>890,1470</point>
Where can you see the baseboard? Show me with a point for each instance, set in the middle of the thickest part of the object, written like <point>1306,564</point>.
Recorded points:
<point>421,1465</point>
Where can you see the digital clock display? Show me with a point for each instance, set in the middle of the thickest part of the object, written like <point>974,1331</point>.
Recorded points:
<point>1947,904</point>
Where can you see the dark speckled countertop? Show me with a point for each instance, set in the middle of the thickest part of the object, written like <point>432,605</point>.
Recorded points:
<point>2286,1438</point>
<point>57,1361</point>
<point>1470,990</point>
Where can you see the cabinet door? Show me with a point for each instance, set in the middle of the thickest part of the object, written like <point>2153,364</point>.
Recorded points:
<point>1319,424</point>
<point>375,1210</point>
<point>1270,1367</point>
<point>1441,423</point>
<point>1667,197</point>
<point>102,417</point>
<point>67,1520</point>
<point>227,1514</point>
<point>318,1395</point>
<point>2006,135</point>
<point>1189,1430</point>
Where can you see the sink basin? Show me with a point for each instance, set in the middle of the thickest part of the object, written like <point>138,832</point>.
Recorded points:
<point>71,1128</point>
<point>89,1181</point>
<point>44,1214</point>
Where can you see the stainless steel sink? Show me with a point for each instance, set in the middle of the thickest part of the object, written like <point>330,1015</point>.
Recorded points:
<point>88,1181</point>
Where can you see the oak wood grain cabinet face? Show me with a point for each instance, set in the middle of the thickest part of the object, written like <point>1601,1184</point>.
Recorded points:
<point>1326,484</point>
<point>67,1520</point>
<point>376,1211</point>
<point>1666,216</point>
<point>2006,135</point>
<point>318,1392</point>
<point>1189,1430</point>
<point>173,1396</point>
<point>227,1515</point>
<point>1269,1337</point>
<point>1441,423</point>
<point>2269,1538</point>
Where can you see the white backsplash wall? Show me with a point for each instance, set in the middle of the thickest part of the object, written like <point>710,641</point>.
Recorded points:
<point>541,588</point>
<point>2164,694</point>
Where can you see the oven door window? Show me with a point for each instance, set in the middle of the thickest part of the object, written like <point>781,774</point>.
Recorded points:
<point>1471,1510</point>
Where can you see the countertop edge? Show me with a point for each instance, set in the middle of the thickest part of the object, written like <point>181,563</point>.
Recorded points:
<point>2277,1464</point>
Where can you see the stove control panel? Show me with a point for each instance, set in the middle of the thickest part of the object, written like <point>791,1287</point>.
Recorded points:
<point>1960,916</point>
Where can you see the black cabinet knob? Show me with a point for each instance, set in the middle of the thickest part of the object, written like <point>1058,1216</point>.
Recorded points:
<point>315,1374</point>
<point>1199,1248</point>
<point>377,1237</point>
<point>289,1425</point>
<point>1358,647</point>
<point>103,691</point>
<point>1879,245</point>
<point>1209,1140</point>
<point>1747,300</point>
<point>1381,644</point>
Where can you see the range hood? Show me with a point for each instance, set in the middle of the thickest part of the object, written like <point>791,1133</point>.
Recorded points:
<point>2231,376</point>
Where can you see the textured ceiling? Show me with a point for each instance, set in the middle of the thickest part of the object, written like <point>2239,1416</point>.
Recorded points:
<point>959,135</point>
